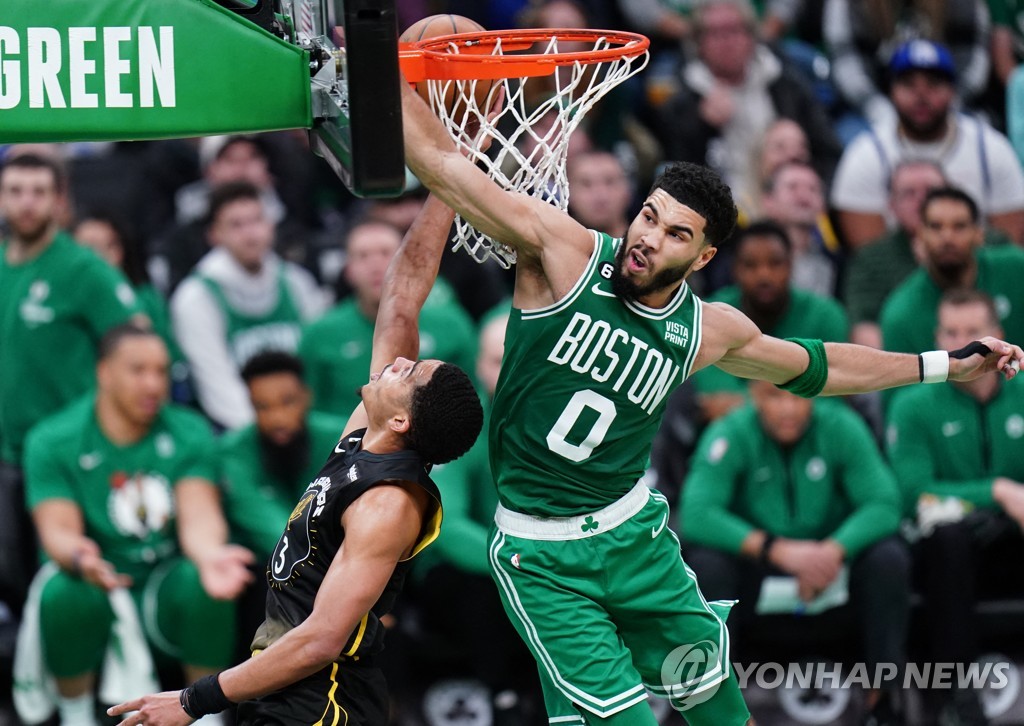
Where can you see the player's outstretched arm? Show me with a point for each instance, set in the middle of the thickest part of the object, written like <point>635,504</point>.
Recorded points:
<point>381,527</point>
<point>408,282</point>
<point>529,225</point>
<point>734,344</point>
<point>409,279</point>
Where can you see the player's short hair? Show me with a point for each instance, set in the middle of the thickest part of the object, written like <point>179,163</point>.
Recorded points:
<point>761,228</point>
<point>113,338</point>
<point>228,193</point>
<point>961,296</point>
<point>270,362</point>
<point>31,160</point>
<point>703,191</point>
<point>954,194</point>
<point>445,416</point>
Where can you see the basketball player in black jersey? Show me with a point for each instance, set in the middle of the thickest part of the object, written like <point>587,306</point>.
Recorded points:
<point>340,562</point>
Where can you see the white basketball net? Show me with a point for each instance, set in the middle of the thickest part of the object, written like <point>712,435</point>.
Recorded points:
<point>532,157</point>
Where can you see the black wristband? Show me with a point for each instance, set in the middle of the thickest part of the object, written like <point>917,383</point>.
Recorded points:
<point>766,548</point>
<point>970,349</point>
<point>204,697</point>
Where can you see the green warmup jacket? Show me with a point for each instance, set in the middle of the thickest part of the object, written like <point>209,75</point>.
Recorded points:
<point>942,441</point>
<point>833,483</point>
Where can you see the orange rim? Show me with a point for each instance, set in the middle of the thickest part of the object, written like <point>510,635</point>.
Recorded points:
<point>434,59</point>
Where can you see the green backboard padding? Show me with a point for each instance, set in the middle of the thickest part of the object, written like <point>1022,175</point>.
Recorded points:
<point>76,70</point>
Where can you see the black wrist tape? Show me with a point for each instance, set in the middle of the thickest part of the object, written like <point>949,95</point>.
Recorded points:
<point>970,349</point>
<point>204,697</point>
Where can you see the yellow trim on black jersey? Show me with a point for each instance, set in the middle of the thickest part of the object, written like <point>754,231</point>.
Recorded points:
<point>359,636</point>
<point>338,710</point>
<point>431,532</point>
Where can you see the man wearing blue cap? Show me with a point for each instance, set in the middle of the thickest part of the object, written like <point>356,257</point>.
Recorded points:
<point>928,127</point>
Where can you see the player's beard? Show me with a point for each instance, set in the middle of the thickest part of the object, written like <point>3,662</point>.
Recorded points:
<point>29,234</point>
<point>626,289</point>
<point>286,461</point>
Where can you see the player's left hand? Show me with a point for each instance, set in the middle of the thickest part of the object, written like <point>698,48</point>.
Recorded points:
<point>225,572</point>
<point>158,709</point>
<point>966,365</point>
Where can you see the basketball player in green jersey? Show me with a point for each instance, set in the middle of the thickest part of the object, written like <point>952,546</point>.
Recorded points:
<point>601,331</point>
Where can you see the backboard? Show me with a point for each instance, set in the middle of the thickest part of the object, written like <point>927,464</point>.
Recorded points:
<point>357,124</point>
<point>121,70</point>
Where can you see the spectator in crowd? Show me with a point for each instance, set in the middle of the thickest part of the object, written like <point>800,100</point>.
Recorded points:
<point>225,160</point>
<point>876,269</point>
<point>794,197</point>
<point>457,597</point>
<point>732,91</point>
<point>958,453</point>
<point>108,236</point>
<point>950,244</point>
<point>1007,43</point>
<point>783,141</point>
<point>240,300</point>
<point>263,468</point>
<point>600,192</point>
<point>927,126</point>
<point>105,479</point>
<point>56,301</point>
<point>861,38</point>
<point>879,267</point>
<point>335,349</point>
<point>763,270</point>
<point>770,493</point>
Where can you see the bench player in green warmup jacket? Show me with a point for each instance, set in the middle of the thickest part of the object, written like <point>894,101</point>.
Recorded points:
<point>601,331</point>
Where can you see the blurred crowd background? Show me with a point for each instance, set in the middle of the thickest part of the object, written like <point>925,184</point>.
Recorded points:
<point>874,149</point>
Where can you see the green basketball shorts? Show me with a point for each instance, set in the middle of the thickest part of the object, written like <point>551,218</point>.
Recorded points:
<point>610,610</point>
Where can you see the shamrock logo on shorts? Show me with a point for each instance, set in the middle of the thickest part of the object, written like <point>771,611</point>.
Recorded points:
<point>589,523</point>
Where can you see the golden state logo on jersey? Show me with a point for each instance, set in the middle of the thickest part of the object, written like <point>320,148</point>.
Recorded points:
<point>296,544</point>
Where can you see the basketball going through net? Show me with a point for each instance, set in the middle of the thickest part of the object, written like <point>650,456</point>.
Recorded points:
<point>550,78</point>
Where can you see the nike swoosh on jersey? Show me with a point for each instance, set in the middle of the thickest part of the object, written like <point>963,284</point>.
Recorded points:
<point>596,289</point>
<point>952,428</point>
<point>90,461</point>
<point>655,531</point>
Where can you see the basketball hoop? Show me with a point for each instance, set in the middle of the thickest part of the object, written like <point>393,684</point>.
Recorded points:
<point>530,131</point>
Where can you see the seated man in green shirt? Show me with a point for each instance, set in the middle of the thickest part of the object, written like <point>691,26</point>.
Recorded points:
<point>951,245</point>
<point>763,270</point>
<point>958,453</point>
<point>336,348</point>
<point>107,480</point>
<point>771,492</point>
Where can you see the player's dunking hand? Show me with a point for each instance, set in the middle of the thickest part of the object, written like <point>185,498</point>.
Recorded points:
<point>158,709</point>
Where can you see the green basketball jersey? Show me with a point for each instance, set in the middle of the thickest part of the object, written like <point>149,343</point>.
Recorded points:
<point>126,493</point>
<point>279,329</point>
<point>582,391</point>
<point>53,311</point>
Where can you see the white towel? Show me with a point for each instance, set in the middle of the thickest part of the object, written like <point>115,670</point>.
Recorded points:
<point>128,670</point>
